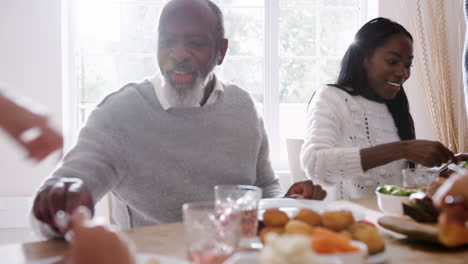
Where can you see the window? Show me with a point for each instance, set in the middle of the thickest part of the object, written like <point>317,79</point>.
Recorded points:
<point>280,51</point>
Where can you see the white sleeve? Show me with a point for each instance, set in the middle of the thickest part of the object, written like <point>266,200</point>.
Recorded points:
<point>323,160</point>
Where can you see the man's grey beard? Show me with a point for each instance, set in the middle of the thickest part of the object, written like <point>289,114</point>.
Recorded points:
<point>181,97</point>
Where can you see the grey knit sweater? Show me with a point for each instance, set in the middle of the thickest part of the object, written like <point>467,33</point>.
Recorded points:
<point>152,161</point>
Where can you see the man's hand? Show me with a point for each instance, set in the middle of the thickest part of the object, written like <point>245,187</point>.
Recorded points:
<point>95,243</point>
<point>306,190</point>
<point>67,195</point>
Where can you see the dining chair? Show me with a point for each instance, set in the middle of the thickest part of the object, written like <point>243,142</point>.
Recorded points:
<point>293,146</point>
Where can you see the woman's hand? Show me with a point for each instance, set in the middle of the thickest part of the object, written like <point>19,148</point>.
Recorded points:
<point>460,157</point>
<point>427,153</point>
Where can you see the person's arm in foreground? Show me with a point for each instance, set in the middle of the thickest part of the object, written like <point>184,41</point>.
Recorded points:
<point>456,186</point>
<point>94,243</point>
<point>452,199</point>
<point>16,120</point>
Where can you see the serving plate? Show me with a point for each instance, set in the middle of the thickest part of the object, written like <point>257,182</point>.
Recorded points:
<point>377,258</point>
<point>253,258</point>
<point>412,229</point>
<point>142,258</point>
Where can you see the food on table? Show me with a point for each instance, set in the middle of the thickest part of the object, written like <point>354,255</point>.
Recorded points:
<point>269,229</point>
<point>463,165</point>
<point>275,217</point>
<point>152,260</point>
<point>346,234</point>
<point>453,231</point>
<point>341,221</point>
<point>287,249</point>
<point>325,241</point>
<point>367,222</point>
<point>421,208</point>
<point>397,191</point>
<point>369,235</point>
<point>298,227</point>
<point>308,216</point>
<point>337,220</point>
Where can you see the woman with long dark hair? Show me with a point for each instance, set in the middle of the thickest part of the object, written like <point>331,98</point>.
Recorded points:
<point>360,133</point>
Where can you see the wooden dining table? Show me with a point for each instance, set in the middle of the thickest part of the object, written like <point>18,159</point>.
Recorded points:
<point>168,239</point>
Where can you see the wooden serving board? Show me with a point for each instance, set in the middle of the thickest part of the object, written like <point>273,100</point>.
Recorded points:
<point>410,228</point>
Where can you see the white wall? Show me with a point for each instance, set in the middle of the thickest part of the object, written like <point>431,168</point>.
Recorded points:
<point>30,62</point>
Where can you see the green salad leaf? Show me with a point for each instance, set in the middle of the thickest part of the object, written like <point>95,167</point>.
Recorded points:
<point>464,165</point>
<point>397,191</point>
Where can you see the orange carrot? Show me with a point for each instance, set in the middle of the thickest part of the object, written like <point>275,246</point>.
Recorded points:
<point>328,242</point>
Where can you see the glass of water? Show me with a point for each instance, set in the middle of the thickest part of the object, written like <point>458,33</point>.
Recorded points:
<point>241,200</point>
<point>211,237</point>
<point>418,177</point>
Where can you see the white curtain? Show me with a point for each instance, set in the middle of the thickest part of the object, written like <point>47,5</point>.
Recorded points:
<point>438,29</point>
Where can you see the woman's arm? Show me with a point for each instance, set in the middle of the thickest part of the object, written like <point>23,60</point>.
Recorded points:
<point>382,154</point>
<point>424,152</point>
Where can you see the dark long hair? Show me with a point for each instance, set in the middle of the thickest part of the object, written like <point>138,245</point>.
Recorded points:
<point>352,77</point>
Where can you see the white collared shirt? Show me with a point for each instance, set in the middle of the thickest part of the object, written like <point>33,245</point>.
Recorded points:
<point>163,100</point>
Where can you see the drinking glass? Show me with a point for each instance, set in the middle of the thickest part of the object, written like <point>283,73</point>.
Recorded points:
<point>211,237</point>
<point>418,177</point>
<point>243,201</point>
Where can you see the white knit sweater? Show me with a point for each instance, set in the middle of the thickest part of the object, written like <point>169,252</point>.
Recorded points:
<point>338,126</point>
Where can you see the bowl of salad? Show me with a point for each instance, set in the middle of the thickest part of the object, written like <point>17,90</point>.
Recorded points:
<point>391,197</point>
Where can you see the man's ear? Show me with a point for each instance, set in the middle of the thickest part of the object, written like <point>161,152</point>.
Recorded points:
<point>222,51</point>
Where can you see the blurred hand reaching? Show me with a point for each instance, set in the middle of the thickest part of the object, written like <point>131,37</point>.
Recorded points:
<point>93,243</point>
<point>30,130</point>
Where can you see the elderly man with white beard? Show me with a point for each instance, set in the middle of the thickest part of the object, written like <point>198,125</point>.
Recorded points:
<point>169,140</point>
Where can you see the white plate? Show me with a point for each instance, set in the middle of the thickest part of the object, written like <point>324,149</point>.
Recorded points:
<point>253,258</point>
<point>377,258</point>
<point>292,206</point>
<point>142,258</point>
<point>244,258</point>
